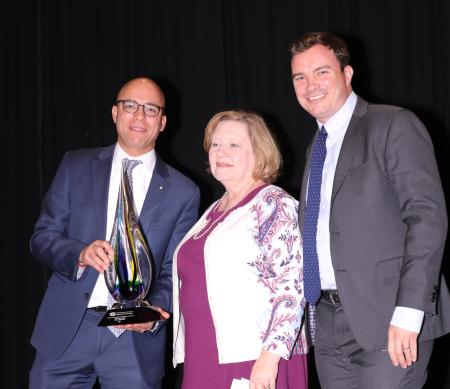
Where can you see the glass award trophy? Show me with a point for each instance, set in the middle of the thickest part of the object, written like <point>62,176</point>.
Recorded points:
<point>129,275</point>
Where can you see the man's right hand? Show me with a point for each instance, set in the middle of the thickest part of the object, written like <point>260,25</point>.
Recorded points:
<point>97,255</point>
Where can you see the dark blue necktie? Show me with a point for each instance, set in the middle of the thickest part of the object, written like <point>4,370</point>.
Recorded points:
<point>310,262</point>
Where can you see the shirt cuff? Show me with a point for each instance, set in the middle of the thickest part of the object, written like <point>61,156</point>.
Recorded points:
<point>80,269</point>
<point>408,319</point>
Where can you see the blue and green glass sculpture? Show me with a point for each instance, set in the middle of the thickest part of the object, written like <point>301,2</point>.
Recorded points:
<point>129,275</point>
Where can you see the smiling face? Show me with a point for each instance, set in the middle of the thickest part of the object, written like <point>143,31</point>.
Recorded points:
<point>137,133</point>
<point>320,85</point>
<point>231,155</point>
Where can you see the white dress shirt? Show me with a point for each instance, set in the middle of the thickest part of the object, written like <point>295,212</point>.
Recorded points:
<point>142,175</point>
<point>336,127</point>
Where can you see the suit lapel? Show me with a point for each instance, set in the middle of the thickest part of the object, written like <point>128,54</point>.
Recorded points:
<point>101,172</point>
<point>157,191</point>
<point>348,146</point>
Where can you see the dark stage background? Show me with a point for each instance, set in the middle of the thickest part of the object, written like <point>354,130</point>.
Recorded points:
<point>63,62</point>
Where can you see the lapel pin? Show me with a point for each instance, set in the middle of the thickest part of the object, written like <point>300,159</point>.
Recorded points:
<point>160,187</point>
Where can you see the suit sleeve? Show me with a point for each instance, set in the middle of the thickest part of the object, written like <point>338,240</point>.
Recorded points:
<point>50,243</point>
<point>413,171</point>
<point>161,294</point>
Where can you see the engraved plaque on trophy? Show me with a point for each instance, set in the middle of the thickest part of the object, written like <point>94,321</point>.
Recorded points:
<point>129,275</point>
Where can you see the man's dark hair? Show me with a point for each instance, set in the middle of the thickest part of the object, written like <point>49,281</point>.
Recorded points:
<point>333,42</point>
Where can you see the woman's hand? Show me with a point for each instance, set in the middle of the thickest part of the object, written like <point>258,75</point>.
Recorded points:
<point>264,371</point>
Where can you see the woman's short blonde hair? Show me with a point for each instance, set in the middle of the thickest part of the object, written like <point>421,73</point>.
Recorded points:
<point>268,159</point>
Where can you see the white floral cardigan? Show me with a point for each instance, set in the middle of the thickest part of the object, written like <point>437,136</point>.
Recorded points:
<point>254,277</point>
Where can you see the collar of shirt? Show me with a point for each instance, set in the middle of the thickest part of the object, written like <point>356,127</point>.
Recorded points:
<point>148,159</point>
<point>337,125</point>
<point>142,175</point>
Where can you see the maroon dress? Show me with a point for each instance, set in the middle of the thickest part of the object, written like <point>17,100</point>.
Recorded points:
<point>201,366</point>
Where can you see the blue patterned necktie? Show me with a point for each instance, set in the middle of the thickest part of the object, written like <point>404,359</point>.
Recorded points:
<point>311,264</point>
<point>131,164</point>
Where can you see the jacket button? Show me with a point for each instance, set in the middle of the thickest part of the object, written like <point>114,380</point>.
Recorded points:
<point>434,293</point>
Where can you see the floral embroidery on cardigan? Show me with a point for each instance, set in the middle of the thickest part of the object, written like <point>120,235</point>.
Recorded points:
<point>277,269</point>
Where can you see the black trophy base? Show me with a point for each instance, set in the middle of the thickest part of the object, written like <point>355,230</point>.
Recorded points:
<point>130,315</point>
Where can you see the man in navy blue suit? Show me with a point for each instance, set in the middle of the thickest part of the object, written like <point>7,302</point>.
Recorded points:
<point>71,238</point>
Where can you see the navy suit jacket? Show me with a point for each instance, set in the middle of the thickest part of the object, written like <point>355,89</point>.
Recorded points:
<point>74,215</point>
<point>388,224</point>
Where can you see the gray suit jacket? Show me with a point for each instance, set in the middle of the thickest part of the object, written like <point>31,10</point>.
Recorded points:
<point>388,224</point>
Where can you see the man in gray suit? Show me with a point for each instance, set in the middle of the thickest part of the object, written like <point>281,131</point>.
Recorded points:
<point>379,231</point>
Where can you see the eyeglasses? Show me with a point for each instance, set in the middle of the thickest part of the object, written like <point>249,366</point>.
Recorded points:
<point>132,106</point>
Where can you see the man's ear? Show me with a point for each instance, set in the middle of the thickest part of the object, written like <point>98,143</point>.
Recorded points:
<point>348,73</point>
<point>114,113</point>
<point>163,123</point>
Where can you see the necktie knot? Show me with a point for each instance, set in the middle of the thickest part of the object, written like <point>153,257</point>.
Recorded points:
<point>130,164</point>
<point>323,133</point>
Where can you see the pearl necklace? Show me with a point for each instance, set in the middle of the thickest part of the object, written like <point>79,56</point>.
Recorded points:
<point>209,225</point>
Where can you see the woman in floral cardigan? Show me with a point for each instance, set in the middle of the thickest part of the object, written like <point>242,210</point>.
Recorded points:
<point>238,278</point>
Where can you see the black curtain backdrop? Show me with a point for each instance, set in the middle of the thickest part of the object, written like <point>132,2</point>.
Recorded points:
<point>63,61</point>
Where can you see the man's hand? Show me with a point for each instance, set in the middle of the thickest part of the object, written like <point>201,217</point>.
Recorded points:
<point>142,327</point>
<point>402,346</point>
<point>97,255</point>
